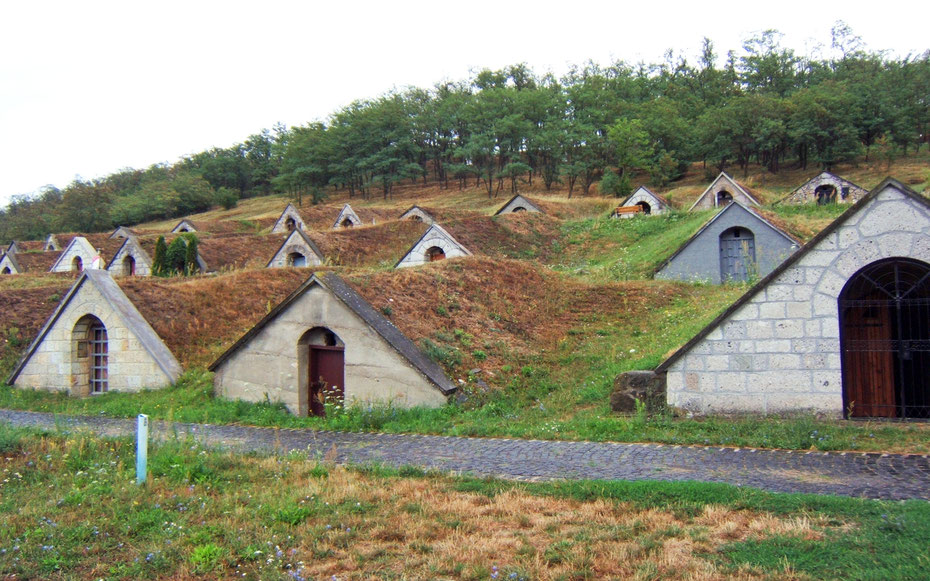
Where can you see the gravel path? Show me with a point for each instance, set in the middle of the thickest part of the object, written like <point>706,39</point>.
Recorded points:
<point>885,476</point>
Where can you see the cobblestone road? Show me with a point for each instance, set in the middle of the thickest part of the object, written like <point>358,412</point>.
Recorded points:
<point>886,476</point>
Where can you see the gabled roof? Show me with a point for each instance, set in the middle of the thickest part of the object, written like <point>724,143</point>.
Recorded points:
<point>11,249</point>
<point>287,240</point>
<point>729,207</point>
<point>183,223</point>
<point>133,242</point>
<point>347,212</point>
<point>122,232</point>
<point>412,211</point>
<point>648,191</point>
<point>443,234</point>
<point>35,261</point>
<point>823,173</point>
<point>51,243</point>
<point>341,290</point>
<point>723,176</point>
<point>10,258</point>
<point>523,200</point>
<point>289,211</point>
<point>74,241</point>
<point>124,308</point>
<point>792,260</point>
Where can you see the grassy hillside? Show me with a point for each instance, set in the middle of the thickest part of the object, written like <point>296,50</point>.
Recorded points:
<point>534,327</point>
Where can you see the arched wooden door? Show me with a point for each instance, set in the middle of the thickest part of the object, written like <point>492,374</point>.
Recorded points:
<point>884,312</point>
<point>737,254</point>
<point>327,377</point>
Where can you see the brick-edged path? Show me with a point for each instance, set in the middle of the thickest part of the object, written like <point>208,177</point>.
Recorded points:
<point>886,476</point>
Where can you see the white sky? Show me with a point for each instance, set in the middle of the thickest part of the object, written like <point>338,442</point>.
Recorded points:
<point>88,87</point>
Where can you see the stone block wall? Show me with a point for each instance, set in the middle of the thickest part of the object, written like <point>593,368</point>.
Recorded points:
<point>805,194</point>
<point>780,351</point>
<point>143,264</point>
<point>296,245</point>
<point>79,247</point>
<point>54,363</point>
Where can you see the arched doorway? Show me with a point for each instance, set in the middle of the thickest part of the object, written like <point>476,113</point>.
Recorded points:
<point>77,265</point>
<point>416,218</point>
<point>519,209</point>
<point>737,254</point>
<point>129,265</point>
<point>825,194</point>
<point>884,313</point>
<point>296,259</point>
<point>434,253</point>
<point>91,356</point>
<point>321,356</point>
<point>6,270</point>
<point>647,209</point>
<point>290,224</point>
<point>347,223</point>
<point>724,197</point>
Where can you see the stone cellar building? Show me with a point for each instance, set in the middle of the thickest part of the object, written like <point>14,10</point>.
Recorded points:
<point>842,327</point>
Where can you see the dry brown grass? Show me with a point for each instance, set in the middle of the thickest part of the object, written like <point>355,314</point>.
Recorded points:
<point>424,529</point>
<point>199,317</point>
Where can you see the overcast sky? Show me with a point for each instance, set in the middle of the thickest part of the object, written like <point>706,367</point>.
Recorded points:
<point>88,87</point>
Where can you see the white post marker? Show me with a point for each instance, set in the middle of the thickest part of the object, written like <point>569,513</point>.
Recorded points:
<point>142,448</point>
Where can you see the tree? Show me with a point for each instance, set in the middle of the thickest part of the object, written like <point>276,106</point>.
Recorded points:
<point>160,262</point>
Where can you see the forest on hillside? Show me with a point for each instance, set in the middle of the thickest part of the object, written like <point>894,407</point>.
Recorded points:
<point>499,129</point>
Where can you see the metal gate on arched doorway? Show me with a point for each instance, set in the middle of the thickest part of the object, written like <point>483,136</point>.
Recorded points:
<point>884,312</point>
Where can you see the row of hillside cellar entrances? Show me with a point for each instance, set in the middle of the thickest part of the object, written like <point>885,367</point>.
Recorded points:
<point>884,313</point>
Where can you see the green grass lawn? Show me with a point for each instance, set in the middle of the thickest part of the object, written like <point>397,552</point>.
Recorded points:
<point>72,510</point>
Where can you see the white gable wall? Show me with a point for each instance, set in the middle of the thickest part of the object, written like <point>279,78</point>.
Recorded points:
<point>433,237</point>
<point>294,244</point>
<point>780,351</point>
<point>79,247</point>
<point>270,364</point>
<point>143,264</point>
<point>130,366</point>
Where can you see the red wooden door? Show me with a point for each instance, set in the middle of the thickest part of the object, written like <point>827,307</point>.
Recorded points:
<point>869,365</point>
<point>327,378</point>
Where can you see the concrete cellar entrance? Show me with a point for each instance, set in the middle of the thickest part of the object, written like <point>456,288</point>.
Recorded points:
<point>322,355</point>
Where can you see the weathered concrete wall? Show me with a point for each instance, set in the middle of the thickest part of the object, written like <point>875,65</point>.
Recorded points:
<point>433,237</point>
<point>7,266</point>
<point>700,259</point>
<point>53,364</point>
<point>78,247</point>
<point>846,191</point>
<point>781,350</point>
<point>269,363</point>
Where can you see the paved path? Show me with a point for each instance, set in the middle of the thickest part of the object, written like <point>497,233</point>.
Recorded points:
<point>887,476</point>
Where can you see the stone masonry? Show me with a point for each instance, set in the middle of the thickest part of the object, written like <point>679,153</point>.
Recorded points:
<point>780,350</point>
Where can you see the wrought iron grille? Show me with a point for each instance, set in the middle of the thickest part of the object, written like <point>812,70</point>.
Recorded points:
<point>885,339</point>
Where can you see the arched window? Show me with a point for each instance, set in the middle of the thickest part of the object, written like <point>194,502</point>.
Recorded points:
<point>884,313</point>
<point>519,209</point>
<point>77,265</point>
<point>434,253</point>
<point>129,265</point>
<point>825,194</point>
<point>91,351</point>
<point>647,209</point>
<point>321,357</point>
<point>737,254</point>
<point>724,197</point>
<point>296,259</point>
